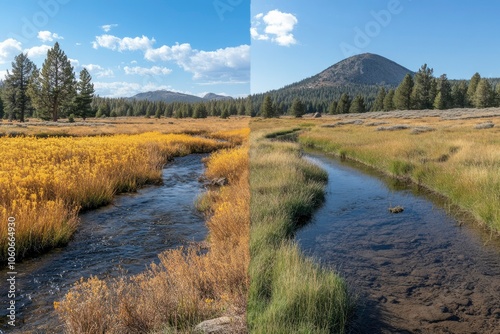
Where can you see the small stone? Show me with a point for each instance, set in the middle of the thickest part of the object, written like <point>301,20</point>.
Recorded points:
<point>214,326</point>
<point>396,209</point>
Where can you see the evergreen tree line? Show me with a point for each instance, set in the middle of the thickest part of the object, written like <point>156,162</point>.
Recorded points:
<point>418,92</point>
<point>116,107</point>
<point>424,91</point>
<point>54,93</point>
<point>47,93</point>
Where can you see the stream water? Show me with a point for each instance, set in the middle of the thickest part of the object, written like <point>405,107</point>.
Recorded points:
<point>418,271</point>
<point>123,237</point>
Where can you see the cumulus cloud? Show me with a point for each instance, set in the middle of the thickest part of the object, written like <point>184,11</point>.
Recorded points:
<point>228,64</point>
<point>166,53</point>
<point>123,44</point>
<point>155,70</point>
<point>207,64</point>
<point>47,36</point>
<point>278,27</point>
<point>108,27</point>
<point>99,71</point>
<point>37,51</point>
<point>74,62</point>
<point>8,49</point>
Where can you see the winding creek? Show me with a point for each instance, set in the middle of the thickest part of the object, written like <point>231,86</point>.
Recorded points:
<point>123,237</point>
<point>419,271</point>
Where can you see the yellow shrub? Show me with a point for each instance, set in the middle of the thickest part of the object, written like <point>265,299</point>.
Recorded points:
<point>190,284</point>
<point>44,182</point>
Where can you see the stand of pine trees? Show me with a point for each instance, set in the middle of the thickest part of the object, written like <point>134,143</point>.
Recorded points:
<point>49,93</point>
<point>417,92</point>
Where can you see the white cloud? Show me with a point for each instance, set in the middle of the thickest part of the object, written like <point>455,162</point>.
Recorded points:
<point>78,44</point>
<point>230,62</point>
<point>133,62</point>
<point>8,49</point>
<point>155,70</point>
<point>3,74</point>
<point>37,51</point>
<point>99,71</point>
<point>108,27</point>
<point>47,36</point>
<point>278,27</point>
<point>255,35</point>
<point>74,62</point>
<point>166,53</point>
<point>123,44</point>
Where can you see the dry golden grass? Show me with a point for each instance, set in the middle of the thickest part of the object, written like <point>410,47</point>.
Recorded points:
<point>190,284</point>
<point>441,150</point>
<point>124,125</point>
<point>45,182</point>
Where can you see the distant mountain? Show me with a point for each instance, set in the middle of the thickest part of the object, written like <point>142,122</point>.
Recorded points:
<point>215,97</point>
<point>168,96</point>
<point>363,69</point>
<point>362,74</point>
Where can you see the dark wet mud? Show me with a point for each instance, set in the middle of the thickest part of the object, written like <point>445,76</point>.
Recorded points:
<point>122,238</point>
<point>422,270</point>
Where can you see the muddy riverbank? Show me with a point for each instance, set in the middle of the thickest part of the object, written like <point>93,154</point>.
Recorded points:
<point>418,271</point>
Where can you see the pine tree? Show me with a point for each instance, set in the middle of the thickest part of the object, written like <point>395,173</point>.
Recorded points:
<point>358,105</point>
<point>344,104</point>
<point>422,94</point>
<point>200,111</point>
<point>298,109</point>
<point>389,101</point>
<point>484,94</point>
<point>225,113</point>
<point>378,105</point>
<point>53,88</point>
<point>266,109</point>
<point>332,108</point>
<point>443,99</point>
<point>459,95</point>
<point>471,91</point>
<point>84,95</point>
<point>403,94</point>
<point>1,103</point>
<point>17,99</point>
<point>249,107</point>
<point>498,95</point>
<point>241,109</point>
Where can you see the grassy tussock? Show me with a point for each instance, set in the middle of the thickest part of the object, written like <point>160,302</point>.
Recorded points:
<point>455,159</point>
<point>190,284</point>
<point>123,125</point>
<point>288,292</point>
<point>45,182</point>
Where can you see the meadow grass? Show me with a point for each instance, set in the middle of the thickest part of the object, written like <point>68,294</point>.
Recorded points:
<point>456,159</point>
<point>123,125</point>
<point>46,182</point>
<point>190,284</point>
<point>289,293</point>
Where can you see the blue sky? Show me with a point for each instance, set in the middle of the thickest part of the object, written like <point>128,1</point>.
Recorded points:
<point>292,40</point>
<point>190,46</point>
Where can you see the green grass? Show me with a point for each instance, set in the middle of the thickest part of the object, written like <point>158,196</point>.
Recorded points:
<point>289,293</point>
